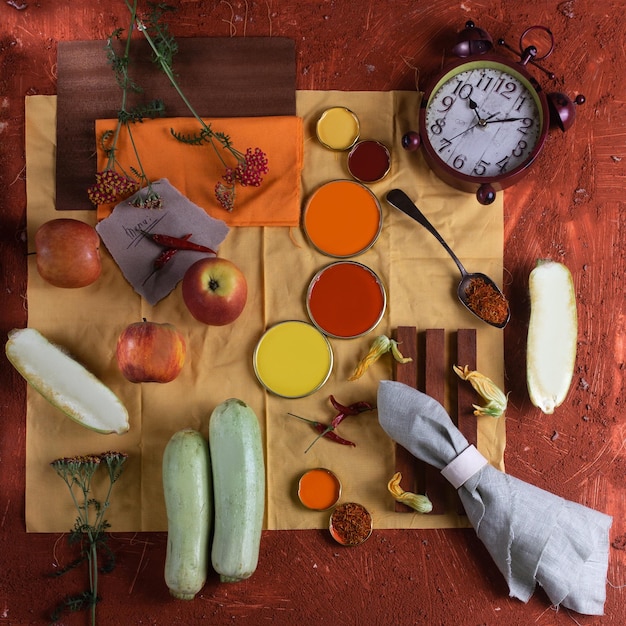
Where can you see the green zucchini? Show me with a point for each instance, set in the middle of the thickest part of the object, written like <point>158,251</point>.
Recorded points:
<point>236,451</point>
<point>552,335</point>
<point>187,489</point>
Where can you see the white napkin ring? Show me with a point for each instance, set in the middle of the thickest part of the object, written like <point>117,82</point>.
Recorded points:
<point>464,466</point>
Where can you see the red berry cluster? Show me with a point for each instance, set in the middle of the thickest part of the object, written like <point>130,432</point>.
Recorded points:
<point>111,187</point>
<point>225,195</point>
<point>250,169</point>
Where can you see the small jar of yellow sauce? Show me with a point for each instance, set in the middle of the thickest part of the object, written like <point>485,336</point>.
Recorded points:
<point>338,128</point>
<point>319,489</point>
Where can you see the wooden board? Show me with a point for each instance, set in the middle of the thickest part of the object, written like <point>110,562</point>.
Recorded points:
<point>220,76</point>
<point>417,476</point>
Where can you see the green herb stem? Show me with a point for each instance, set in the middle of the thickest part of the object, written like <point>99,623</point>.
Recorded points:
<point>167,70</point>
<point>77,473</point>
<point>118,127</point>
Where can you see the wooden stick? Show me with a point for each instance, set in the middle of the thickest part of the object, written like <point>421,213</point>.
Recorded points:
<point>465,418</point>
<point>436,487</point>
<point>406,373</point>
<point>466,355</point>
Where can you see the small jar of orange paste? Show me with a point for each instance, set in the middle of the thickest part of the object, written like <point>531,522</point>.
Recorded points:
<point>319,489</point>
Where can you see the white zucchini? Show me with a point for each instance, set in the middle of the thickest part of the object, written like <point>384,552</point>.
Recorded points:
<point>65,383</point>
<point>552,335</point>
<point>239,489</point>
<point>187,492</point>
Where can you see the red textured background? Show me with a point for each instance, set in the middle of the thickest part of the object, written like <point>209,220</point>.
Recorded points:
<point>571,208</point>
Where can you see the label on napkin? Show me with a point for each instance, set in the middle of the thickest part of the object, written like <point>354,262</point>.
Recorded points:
<point>123,233</point>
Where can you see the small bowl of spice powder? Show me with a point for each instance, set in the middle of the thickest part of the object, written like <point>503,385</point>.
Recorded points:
<point>350,524</point>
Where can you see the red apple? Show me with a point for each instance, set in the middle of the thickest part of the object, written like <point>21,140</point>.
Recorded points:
<point>215,291</point>
<point>149,352</point>
<point>68,253</point>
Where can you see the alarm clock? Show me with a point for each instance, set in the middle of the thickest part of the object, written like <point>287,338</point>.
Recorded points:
<point>484,119</point>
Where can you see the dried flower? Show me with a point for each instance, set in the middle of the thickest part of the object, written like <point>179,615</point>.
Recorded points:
<point>419,503</point>
<point>110,186</point>
<point>147,199</point>
<point>225,195</point>
<point>90,526</point>
<point>381,345</point>
<point>251,166</point>
<point>494,397</point>
<point>115,463</point>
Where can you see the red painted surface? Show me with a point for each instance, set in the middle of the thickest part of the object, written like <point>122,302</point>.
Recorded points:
<point>569,207</point>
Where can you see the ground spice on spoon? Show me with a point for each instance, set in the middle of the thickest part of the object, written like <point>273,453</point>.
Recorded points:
<point>488,303</point>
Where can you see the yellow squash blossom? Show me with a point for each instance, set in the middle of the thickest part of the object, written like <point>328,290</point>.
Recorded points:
<point>420,503</point>
<point>494,397</point>
<point>381,345</point>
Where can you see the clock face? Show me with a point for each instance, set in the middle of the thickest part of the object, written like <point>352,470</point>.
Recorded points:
<point>484,120</point>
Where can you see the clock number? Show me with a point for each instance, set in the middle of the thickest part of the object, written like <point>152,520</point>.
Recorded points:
<point>502,164</point>
<point>437,127</point>
<point>505,88</point>
<point>446,103</point>
<point>444,144</point>
<point>463,90</point>
<point>481,168</point>
<point>459,162</point>
<point>519,148</point>
<point>526,123</point>
<point>520,103</point>
<point>484,82</point>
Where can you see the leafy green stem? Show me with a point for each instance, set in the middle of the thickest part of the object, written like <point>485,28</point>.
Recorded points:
<point>207,132</point>
<point>124,82</point>
<point>77,473</point>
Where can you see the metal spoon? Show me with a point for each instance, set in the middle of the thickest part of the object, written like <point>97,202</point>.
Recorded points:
<point>398,199</point>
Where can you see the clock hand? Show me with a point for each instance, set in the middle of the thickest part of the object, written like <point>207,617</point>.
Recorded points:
<point>481,122</point>
<point>508,119</point>
<point>464,131</point>
<point>474,106</point>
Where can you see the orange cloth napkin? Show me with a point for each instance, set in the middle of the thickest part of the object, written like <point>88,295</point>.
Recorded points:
<point>195,169</point>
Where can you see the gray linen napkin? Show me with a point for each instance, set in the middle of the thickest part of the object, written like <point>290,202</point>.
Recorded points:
<point>532,535</point>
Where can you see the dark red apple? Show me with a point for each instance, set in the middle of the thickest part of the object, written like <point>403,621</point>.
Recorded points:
<point>215,291</point>
<point>149,352</point>
<point>68,253</point>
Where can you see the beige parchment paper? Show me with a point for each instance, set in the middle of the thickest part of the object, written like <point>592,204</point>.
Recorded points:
<point>278,263</point>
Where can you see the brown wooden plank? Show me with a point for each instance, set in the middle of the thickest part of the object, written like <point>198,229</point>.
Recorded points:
<point>465,418</point>
<point>221,76</point>
<point>436,486</point>
<point>406,373</point>
<point>466,396</point>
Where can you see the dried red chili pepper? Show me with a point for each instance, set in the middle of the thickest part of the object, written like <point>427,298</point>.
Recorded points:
<point>333,436</point>
<point>166,256</point>
<point>324,431</point>
<point>163,259</point>
<point>177,242</point>
<point>344,411</point>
